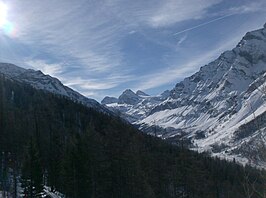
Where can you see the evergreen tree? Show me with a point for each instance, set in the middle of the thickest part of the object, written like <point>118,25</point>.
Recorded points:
<point>32,175</point>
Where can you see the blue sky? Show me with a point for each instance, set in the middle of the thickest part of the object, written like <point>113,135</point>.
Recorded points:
<point>101,47</point>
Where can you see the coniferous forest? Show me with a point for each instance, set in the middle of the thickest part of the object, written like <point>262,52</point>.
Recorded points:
<point>47,140</point>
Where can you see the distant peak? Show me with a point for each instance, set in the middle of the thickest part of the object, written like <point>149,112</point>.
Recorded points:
<point>128,91</point>
<point>141,93</point>
<point>128,97</point>
<point>109,100</point>
<point>264,26</point>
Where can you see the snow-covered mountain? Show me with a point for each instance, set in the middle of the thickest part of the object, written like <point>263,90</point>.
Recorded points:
<point>221,108</point>
<point>38,80</point>
<point>134,107</point>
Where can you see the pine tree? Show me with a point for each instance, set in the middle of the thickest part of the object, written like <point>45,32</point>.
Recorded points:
<point>32,175</point>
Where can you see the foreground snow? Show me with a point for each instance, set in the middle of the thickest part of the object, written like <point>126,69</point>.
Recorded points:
<point>47,192</point>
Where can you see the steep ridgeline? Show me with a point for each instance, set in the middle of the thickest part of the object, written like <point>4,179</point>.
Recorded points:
<point>47,83</point>
<point>221,108</point>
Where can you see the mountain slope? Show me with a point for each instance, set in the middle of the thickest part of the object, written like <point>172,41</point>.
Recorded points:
<point>209,107</point>
<point>82,152</point>
<point>47,83</point>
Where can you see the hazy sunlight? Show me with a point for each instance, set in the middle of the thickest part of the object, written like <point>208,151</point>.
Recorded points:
<point>3,14</point>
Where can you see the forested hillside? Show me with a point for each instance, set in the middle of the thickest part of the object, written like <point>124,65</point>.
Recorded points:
<point>49,140</point>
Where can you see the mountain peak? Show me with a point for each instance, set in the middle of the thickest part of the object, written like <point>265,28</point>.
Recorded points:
<point>128,97</point>
<point>128,91</point>
<point>109,100</point>
<point>141,93</point>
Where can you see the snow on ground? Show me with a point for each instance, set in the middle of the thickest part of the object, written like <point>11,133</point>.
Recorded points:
<point>47,192</point>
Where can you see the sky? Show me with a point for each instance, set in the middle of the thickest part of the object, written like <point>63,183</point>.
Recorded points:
<point>102,47</point>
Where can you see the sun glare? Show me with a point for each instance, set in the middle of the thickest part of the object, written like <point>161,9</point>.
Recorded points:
<point>7,27</point>
<point>3,14</point>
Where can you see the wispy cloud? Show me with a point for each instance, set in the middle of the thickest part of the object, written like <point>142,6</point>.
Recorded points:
<point>51,69</point>
<point>69,33</point>
<point>255,6</point>
<point>182,39</point>
<point>177,11</point>
<point>159,13</point>
<point>176,73</point>
<point>96,84</point>
<point>96,87</point>
<point>79,82</point>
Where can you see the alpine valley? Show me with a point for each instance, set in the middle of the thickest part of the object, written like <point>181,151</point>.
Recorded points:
<point>56,143</point>
<point>205,137</point>
<point>220,109</point>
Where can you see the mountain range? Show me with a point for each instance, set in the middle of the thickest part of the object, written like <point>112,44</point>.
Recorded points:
<point>53,145</point>
<point>220,109</point>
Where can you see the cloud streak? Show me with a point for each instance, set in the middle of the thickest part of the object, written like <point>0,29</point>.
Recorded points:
<point>203,24</point>
<point>253,7</point>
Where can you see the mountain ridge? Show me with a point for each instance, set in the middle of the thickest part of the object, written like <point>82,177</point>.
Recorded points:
<point>40,81</point>
<point>208,107</point>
